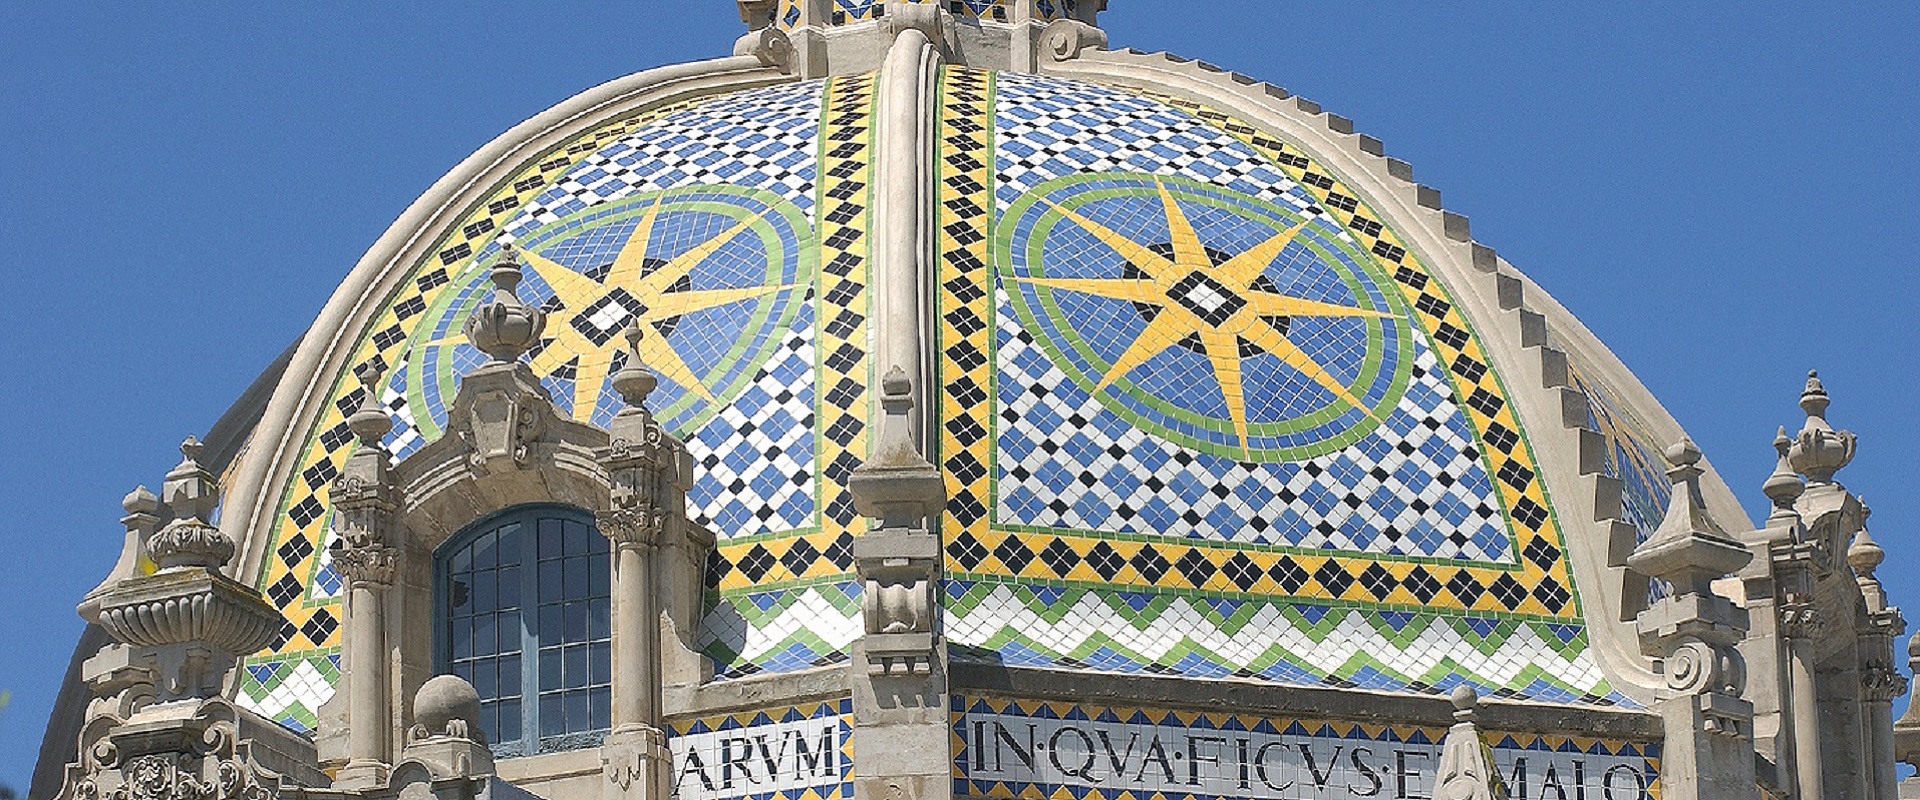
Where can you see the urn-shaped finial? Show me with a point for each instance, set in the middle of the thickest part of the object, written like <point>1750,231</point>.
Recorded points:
<point>634,381</point>
<point>1784,486</point>
<point>369,422</point>
<point>504,327</point>
<point>1819,450</point>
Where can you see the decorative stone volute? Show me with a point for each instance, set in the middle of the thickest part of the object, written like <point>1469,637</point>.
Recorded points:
<point>1819,450</point>
<point>504,327</point>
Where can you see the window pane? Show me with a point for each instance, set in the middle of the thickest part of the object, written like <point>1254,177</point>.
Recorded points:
<point>484,556</point>
<point>600,663</point>
<point>459,597</point>
<point>579,538</point>
<point>552,582</point>
<point>509,682</point>
<point>550,674</point>
<point>599,624</point>
<point>552,624</point>
<point>577,717</point>
<point>484,596</point>
<point>483,680</point>
<point>553,716</point>
<point>577,675</point>
<point>483,635</point>
<point>509,721</point>
<point>509,548</point>
<point>602,709</point>
<point>490,721</point>
<point>461,632</point>
<point>576,622</point>
<point>551,534</point>
<point>577,581</point>
<point>509,594</point>
<point>602,583</point>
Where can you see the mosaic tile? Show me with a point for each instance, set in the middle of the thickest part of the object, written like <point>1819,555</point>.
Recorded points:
<point>798,753</point>
<point>700,219</point>
<point>1030,748</point>
<point>1182,357</point>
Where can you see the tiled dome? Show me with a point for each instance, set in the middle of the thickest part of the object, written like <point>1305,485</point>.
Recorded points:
<point>1203,407</point>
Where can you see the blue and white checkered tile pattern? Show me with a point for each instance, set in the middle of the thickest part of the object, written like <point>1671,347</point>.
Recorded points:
<point>760,138</point>
<point>1414,487</point>
<point>754,459</point>
<point>1048,128</point>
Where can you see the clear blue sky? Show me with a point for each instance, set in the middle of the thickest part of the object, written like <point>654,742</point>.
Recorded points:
<point>1727,197</point>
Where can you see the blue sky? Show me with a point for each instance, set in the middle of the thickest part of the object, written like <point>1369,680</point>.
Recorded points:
<point>1726,197</point>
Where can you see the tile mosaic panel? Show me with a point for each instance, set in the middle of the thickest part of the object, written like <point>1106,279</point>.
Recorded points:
<point>1036,749</point>
<point>708,221</point>
<point>1182,359</point>
<point>800,753</point>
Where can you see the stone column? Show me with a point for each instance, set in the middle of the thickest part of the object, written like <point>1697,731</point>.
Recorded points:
<point>640,461</point>
<point>1876,627</point>
<point>1693,633</point>
<point>1906,731</point>
<point>364,501</point>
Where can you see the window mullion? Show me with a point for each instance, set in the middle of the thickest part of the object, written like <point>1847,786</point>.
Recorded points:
<point>529,638</point>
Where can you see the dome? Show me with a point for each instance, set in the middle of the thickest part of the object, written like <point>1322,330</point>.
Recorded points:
<point>1215,390</point>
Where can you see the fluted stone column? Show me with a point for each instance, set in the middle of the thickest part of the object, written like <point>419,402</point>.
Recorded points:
<point>640,461</point>
<point>364,501</point>
<point>1708,747</point>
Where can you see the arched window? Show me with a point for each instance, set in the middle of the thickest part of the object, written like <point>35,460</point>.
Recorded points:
<point>523,610</point>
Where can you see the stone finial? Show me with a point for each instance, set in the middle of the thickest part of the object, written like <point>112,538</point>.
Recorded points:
<point>189,490</point>
<point>190,493</point>
<point>142,509</point>
<point>897,485</point>
<point>370,423</point>
<point>1865,555</point>
<point>503,327</point>
<point>1819,450</point>
<point>1688,550</point>
<point>1467,771</point>
<point>1784,486</point>
<point>634,381</point>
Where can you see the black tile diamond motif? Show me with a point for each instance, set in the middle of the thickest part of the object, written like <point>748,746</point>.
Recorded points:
<point>608,316</point>
<point>1208,299</point>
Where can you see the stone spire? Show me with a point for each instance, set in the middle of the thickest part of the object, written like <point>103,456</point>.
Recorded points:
<point>504,327</point>
<point>1467,771</point>
<point>1692,633</point>
<point>142,507</point>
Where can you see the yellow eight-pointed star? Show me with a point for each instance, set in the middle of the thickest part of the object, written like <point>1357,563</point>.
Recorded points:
<point>1220,306</point>
<point>596,309</point>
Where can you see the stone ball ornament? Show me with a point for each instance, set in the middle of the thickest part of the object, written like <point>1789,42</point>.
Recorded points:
<point>447,705</point>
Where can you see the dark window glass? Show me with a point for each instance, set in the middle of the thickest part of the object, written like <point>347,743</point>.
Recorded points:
<point>523,599</point>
